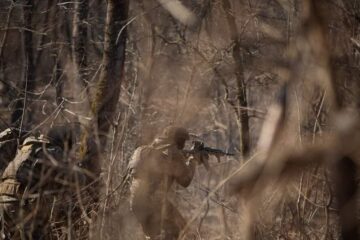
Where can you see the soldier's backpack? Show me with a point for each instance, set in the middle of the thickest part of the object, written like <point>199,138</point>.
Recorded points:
<point>140,162</point>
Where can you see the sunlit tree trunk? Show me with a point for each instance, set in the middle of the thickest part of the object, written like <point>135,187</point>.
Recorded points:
<point>112,72</point>
<point>107,91</point>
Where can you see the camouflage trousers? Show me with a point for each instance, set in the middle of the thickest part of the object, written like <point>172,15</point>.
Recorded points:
<point>20,218</point>
<point>159,218</point>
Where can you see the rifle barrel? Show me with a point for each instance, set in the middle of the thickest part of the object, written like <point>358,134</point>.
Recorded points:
<point>217,151</point>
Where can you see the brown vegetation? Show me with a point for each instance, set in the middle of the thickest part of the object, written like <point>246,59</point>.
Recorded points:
<point>274,81</point>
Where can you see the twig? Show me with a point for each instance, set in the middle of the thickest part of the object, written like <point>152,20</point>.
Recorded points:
<point>356,43</point>
<point>211,194</point>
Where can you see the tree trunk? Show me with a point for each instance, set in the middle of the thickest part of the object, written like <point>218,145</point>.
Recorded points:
<point>108,89</point>
<point>4,87</point>
<point>80,34</point>
<point>19,116</point>
<point>112,72</point>
<point>243,116</point>
<point>56,50</point>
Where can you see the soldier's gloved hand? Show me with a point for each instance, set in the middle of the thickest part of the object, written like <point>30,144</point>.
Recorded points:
<point>195,158</point>
<point>204,159</point>
<point>204,156</point>
<point>201,157</point>
<point>197,146</point>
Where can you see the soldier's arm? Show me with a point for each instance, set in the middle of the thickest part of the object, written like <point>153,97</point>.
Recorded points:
<point>184,171</point>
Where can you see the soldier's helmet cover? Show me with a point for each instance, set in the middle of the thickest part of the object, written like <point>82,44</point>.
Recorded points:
<point>175,135</point>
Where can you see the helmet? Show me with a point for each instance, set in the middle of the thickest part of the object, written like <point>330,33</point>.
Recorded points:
<point>177,135</point>
<point>174,133</point>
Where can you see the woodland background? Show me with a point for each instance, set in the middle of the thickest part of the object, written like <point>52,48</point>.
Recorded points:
<point>132,67</point>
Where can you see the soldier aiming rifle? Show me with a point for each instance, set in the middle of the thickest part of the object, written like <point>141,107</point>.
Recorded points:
<point>152,171</point>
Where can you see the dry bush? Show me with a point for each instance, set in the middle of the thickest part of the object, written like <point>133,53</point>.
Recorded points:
<point>215,67</point>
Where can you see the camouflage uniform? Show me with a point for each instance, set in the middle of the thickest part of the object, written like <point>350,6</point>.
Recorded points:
<point>8,146</point>
<point>154,168</point>
<point>25,184</point>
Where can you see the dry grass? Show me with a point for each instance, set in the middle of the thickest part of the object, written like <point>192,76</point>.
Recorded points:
<point>181,67</point>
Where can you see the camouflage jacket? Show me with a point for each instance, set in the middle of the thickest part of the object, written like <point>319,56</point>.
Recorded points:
<point>155,167</point>
<point>31,167</point>
<point>8,146</point>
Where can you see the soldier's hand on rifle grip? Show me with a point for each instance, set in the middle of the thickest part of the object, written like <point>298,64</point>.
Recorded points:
<point>200,157</point>
<point>197,146</point>
<point>204,156</point>
<point>204,159</point>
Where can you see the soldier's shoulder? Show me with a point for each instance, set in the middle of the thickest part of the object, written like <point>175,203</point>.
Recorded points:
<point>138,151</point>
<point>6,132</point>
<point>136,157</point>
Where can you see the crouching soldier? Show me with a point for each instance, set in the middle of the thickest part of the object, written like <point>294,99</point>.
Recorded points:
<point>29,182</point>
<point>153,169</point>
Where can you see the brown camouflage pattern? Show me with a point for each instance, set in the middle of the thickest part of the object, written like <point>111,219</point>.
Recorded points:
<point>23,215</point>
<point>154,169</point>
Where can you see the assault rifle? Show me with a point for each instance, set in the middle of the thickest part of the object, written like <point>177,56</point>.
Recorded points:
<point>199,147</point>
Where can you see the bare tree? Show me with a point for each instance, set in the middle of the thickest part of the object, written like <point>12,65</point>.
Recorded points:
<point>112,71</point>
<point>19,116</point>
<point>242,112</point>
<point>80,37</point>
